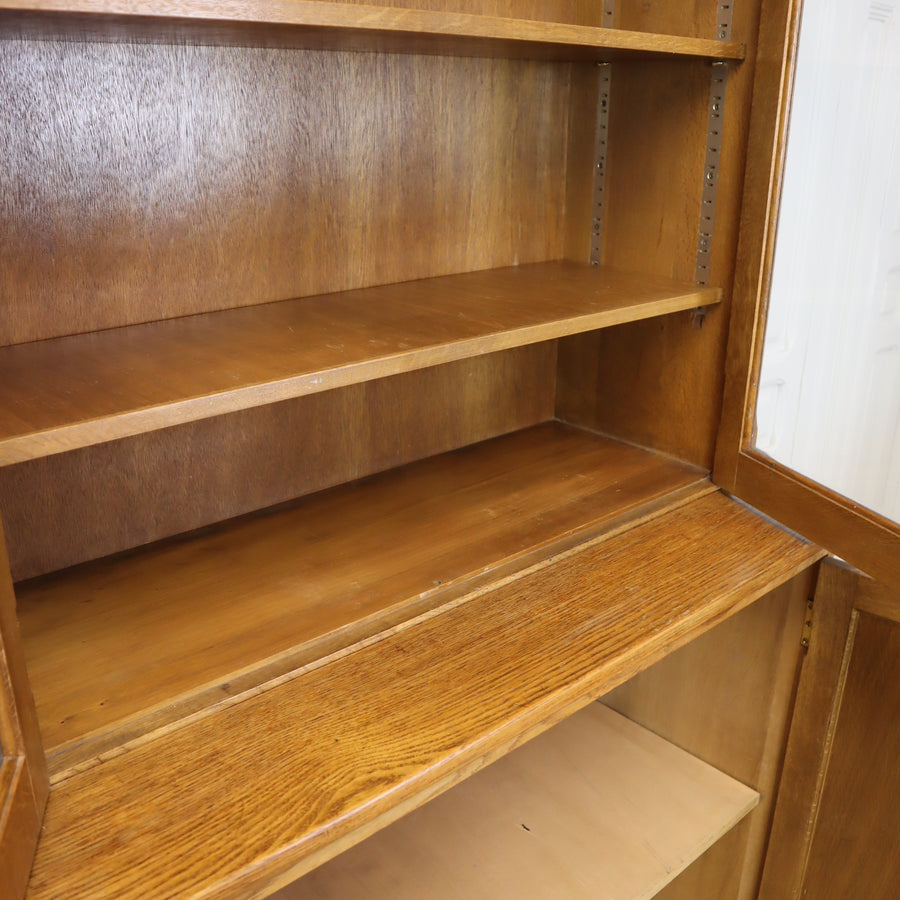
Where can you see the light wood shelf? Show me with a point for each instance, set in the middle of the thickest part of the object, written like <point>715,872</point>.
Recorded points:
<point>326,755</point>
<point>595,807</point>
<point>124,645</point>
<point>72,392</point>
<point>341,26</point>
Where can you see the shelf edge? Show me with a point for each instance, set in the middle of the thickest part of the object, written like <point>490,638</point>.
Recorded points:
<point>64,438</point>
<point>358,27</point>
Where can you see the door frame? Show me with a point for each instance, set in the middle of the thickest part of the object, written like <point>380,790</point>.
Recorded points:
<point>24,784</point>
<point>862,537</point>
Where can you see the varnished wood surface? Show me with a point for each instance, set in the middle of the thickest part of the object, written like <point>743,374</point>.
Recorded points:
<point>19,731</point>
<point>819,692</point>
<point>727,698</point>
<point>85,389</point>
<point>659,384</point>
<point>766,144</point>
<point>111,497</point>
<point>864,538</point>
<point>199,619</point>
<point>693,18</point>
<point>595,807</point>
<point>854,846</point>
<point>20,825</point>
<point>148,182</point>
<point>23,770</point>
<point>326,25</point>
<point>323,759</point>
<point>575,12</point>
<point>878,599</point>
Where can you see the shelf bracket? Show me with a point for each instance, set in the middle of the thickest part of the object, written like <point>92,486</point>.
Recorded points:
<point>609,13</point>
<point>711,171</point>
<point>713,147</point>
<point>600,150</point>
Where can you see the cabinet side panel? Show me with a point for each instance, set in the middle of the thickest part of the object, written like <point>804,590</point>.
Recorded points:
<point>19,731</point>
<point>736,720</point>
<point>659,383</point>
<point>20,825</point>
<point>854,846</point>
<point>24,783</point>
<point>65,509</point>
<point>142,182</point>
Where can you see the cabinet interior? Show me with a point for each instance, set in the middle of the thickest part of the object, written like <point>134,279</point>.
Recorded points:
<point>305,368</point>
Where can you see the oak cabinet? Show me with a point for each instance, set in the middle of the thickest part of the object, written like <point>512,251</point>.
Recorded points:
<point>361,371</point>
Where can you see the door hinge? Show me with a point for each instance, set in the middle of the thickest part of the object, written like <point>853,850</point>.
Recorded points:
<point>807,625</point>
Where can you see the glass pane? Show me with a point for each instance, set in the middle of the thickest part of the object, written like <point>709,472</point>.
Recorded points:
<point>829,394</point>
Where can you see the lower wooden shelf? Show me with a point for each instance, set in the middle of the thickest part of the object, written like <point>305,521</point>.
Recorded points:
<point>595,807</point>
<point>244,798</point>
<point>125,645</point>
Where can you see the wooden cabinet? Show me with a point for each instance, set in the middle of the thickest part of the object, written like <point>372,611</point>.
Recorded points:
<point>361,371</point>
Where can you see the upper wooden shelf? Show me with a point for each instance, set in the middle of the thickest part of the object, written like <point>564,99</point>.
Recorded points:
<point>329,753</point>
<point>322,25</point>
<point>76,391</point>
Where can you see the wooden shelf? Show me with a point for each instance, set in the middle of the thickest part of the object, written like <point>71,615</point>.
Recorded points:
<point>125,645</point>
<point>326,755</point>
<point>76,391</point>
<point>595,807</point>
<point>321,25</point>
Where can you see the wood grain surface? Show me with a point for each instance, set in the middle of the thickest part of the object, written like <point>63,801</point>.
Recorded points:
<point>865,539</point>
<point>766,145</point>
<point>653,225</point>
<point>20,825</point>
<point>24,782</point>
<point>111,497</point>
<point>693,18</point>
<point>76,391</point>
<point>819,692</point>
<point>149,182</point>
<point>122,637</point>
<point>595,807</point>
<point>659,384</point>
<point>574,12</point>
<point>321,760</point>
<point>854,846</point>
<point>325,25</point>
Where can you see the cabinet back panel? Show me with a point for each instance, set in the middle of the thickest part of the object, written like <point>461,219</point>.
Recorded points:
<point>65,509</point>
<point>142,182</point>
<point>574,12</point>
<point>692,18</point>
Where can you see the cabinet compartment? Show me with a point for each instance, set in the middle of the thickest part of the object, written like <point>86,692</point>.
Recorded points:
<point>121,647</point>
<point>595,807</point>
<point>228,709</point>
<point>326,755</point>
<point>78,391</point>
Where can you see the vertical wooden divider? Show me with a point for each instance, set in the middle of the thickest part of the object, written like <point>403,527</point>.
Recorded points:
<point>816,709</point>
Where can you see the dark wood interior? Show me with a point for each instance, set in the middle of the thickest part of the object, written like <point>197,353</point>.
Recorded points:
<point>358,403</point>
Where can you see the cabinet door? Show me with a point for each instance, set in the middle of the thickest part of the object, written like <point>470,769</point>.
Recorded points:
<point>23,776</point>
<point>819,268</point>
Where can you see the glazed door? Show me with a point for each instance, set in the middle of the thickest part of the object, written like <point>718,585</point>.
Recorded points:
<point>810,430</point>
<point>23,776</point>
